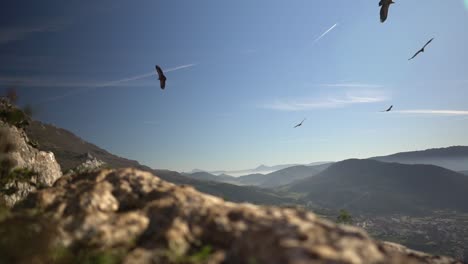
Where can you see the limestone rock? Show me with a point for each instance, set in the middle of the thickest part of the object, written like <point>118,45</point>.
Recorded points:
<point>25,156</point>
<point>159,222</point>
<point>89,164</point>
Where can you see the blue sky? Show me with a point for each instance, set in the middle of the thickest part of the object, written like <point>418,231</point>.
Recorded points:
<point>244,73</point>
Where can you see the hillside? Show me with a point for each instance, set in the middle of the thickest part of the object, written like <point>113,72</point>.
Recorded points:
<point>70,151</point>
<point>369,186</point>
<point>271,180</point>
<point>291,174</point>
<point>453,158</point>
<point>262,169</point>
<point>205,176</point>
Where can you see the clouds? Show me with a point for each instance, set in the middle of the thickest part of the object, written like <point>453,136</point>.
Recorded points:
<point>115,83</point>
<point>143,76</point>
<point>353,85</point>
<point>36,81</point>
<point>324,103</point>
<point>78,86</point>
<point>39,81</point>
<point>434,112</point>
<point>15,33</point>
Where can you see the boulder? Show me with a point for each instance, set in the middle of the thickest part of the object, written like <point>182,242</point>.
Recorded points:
<point>24,156</point>
<point>154,221</point>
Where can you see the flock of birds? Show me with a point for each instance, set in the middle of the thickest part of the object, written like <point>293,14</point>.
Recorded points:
<point>384,7</point>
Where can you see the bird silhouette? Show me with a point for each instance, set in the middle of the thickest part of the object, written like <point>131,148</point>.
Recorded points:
<point>161,77</point>
<point>300,124</point>
<point>421,50</point>
<point>388,110</point>
<point>385,5</point>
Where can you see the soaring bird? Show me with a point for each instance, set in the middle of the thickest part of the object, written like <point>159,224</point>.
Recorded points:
<point>388,110</point>
<point>385,5</point>
<point>161,77</point>
<point>421,50</point>
<point>300,124</point>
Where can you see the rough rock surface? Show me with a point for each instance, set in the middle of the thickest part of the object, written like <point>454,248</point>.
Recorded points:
<point>27,157</point>
<point>89,164</point>
<point>159,222</point>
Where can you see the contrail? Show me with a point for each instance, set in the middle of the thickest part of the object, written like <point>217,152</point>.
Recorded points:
<point>325,33</point>
<point>142,76</point>
<point>112,83</point>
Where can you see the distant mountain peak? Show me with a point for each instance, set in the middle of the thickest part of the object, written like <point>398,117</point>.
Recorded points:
<point>453,158</point>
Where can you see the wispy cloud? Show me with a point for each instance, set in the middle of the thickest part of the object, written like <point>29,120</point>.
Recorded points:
<point>32,81</point>
<point>325,33</point>
<point>88,86</point>
<point>14,33</point>
<point>434,112</point>
<point>330,102</point>
<point>28,81</point>
<point>142,76</point>
<point>353,85</point>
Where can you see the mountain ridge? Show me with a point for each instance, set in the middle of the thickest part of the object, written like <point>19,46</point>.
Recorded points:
<point>454,157</point>
<point>373,186</point>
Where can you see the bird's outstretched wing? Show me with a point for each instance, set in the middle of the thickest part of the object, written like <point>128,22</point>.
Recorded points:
<point>300,124</point>
<point>383,11</point>
<point>388,110</point>
<point>161,77</point>
<point>159,71</point>
<point>428,42</point>
<point>416,54</point>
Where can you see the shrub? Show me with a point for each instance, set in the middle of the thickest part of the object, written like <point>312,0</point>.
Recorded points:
<point>344,217</point>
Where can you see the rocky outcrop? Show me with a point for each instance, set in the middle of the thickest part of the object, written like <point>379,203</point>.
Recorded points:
<point>158,222</point>
<point>24,156</point>
<point>90,163</point>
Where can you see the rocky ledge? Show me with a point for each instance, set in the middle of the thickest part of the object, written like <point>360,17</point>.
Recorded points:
<point>154,221</point>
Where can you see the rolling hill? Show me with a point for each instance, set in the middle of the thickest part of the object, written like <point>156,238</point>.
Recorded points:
<point>271,180</point>
<point>370,186</point>
<point>205,176</point>
<point>453,158</point>
<point>262,169</point>
<point>291,174</point>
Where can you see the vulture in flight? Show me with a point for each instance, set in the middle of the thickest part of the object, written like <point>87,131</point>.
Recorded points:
<point>300,124</point>
<point>385,5</point>
<point>161,77</point>
<point>389,109</point>
<point>421,50</point>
